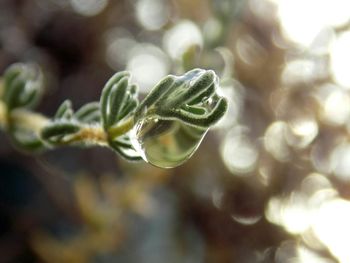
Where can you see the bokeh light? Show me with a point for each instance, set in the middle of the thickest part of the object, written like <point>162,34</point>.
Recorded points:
<point>147,64</point>
<point>269,183</point>
<point>340,160</point>
<point>180,37</point>
<point>119,43</point>
<point>89,7</point>
<point>299,71</point>
<point>275,141</point>
<point>304,30</point>
<point>301,131</point>
<point>239,152</point>
<point>340,57</point>
<point>331,227</point>
<point>152,14</point>
<point>250,51</point>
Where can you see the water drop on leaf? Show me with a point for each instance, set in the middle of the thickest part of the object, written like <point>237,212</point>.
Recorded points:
<point>166,143</point>
<point>172,120</point>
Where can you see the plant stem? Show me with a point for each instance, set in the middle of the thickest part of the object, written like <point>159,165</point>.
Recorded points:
<point>122,128</point>
<point>28,120</point>
<point>35,122</point>
<point>93,135</point>
<point>23,118</point>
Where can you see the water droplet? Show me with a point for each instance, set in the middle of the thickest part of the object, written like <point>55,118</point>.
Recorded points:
<point>166,143</point>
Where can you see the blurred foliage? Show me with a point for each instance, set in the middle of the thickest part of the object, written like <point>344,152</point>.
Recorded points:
<point>271,184</point>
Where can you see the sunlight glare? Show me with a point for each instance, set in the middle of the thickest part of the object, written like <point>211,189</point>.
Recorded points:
<point>180,37</point>
<point>152,14</point>
<point>332,227</point>
<point>303,20</point>
<point>275,141</point>
<point>147,64</point>
<point>89,7</point>
<point>340,59</point>
<point>238,152</point>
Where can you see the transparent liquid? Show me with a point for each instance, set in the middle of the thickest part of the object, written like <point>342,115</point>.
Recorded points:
<point>165,143</point>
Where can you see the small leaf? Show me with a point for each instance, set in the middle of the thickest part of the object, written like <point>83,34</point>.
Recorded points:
<point>56,131</point>
<point>128,108</point>
<point>118,100</point>
<point>204,120</point>
<point>155,95</point>
<point>105,96</point>
<point>205,93</point>
<point>190,98</point>
<point>12,95</point>
<point>126,151</point>
<point>64,111</point>
<point>194,109</point>
<point>200,84</point>
<point>30,98</point>
<point>23,86</point>
<point>89,113</point>
<point>26,141</point>
<point>117,97</point>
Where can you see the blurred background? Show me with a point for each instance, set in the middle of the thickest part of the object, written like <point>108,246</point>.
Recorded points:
<point>269,183</point>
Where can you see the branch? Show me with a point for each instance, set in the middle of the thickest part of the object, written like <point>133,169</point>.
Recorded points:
<point>189,101</point>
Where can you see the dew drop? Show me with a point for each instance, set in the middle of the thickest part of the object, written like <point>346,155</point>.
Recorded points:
<point>168,143</point>
<point>165,143</point>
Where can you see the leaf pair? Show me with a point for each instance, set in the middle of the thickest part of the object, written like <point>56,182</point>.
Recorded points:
<point>88,113</point>
<point>24,138</point>
<point>23,86</point>
<point>118,102</point>
<point>66,122</point>
<point>190,98</point>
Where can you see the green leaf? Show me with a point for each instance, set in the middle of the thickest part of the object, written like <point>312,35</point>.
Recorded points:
<point>64,111</point>
<point>30,98</point>
<point>203,120</point>
<point>126,151</point>
<point>190,98</point>
<point>89,113</point>
<point>127,108</point>
<point>105,96</point>
<point>155,95</point>
<point>55,132</point>
<point>199,97</point>
<point>116,100</point>
<point>13,92</point>
<point>201,83</point>
<point>194,109</point>
<point>23,86</point>
<point>25,139</point>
